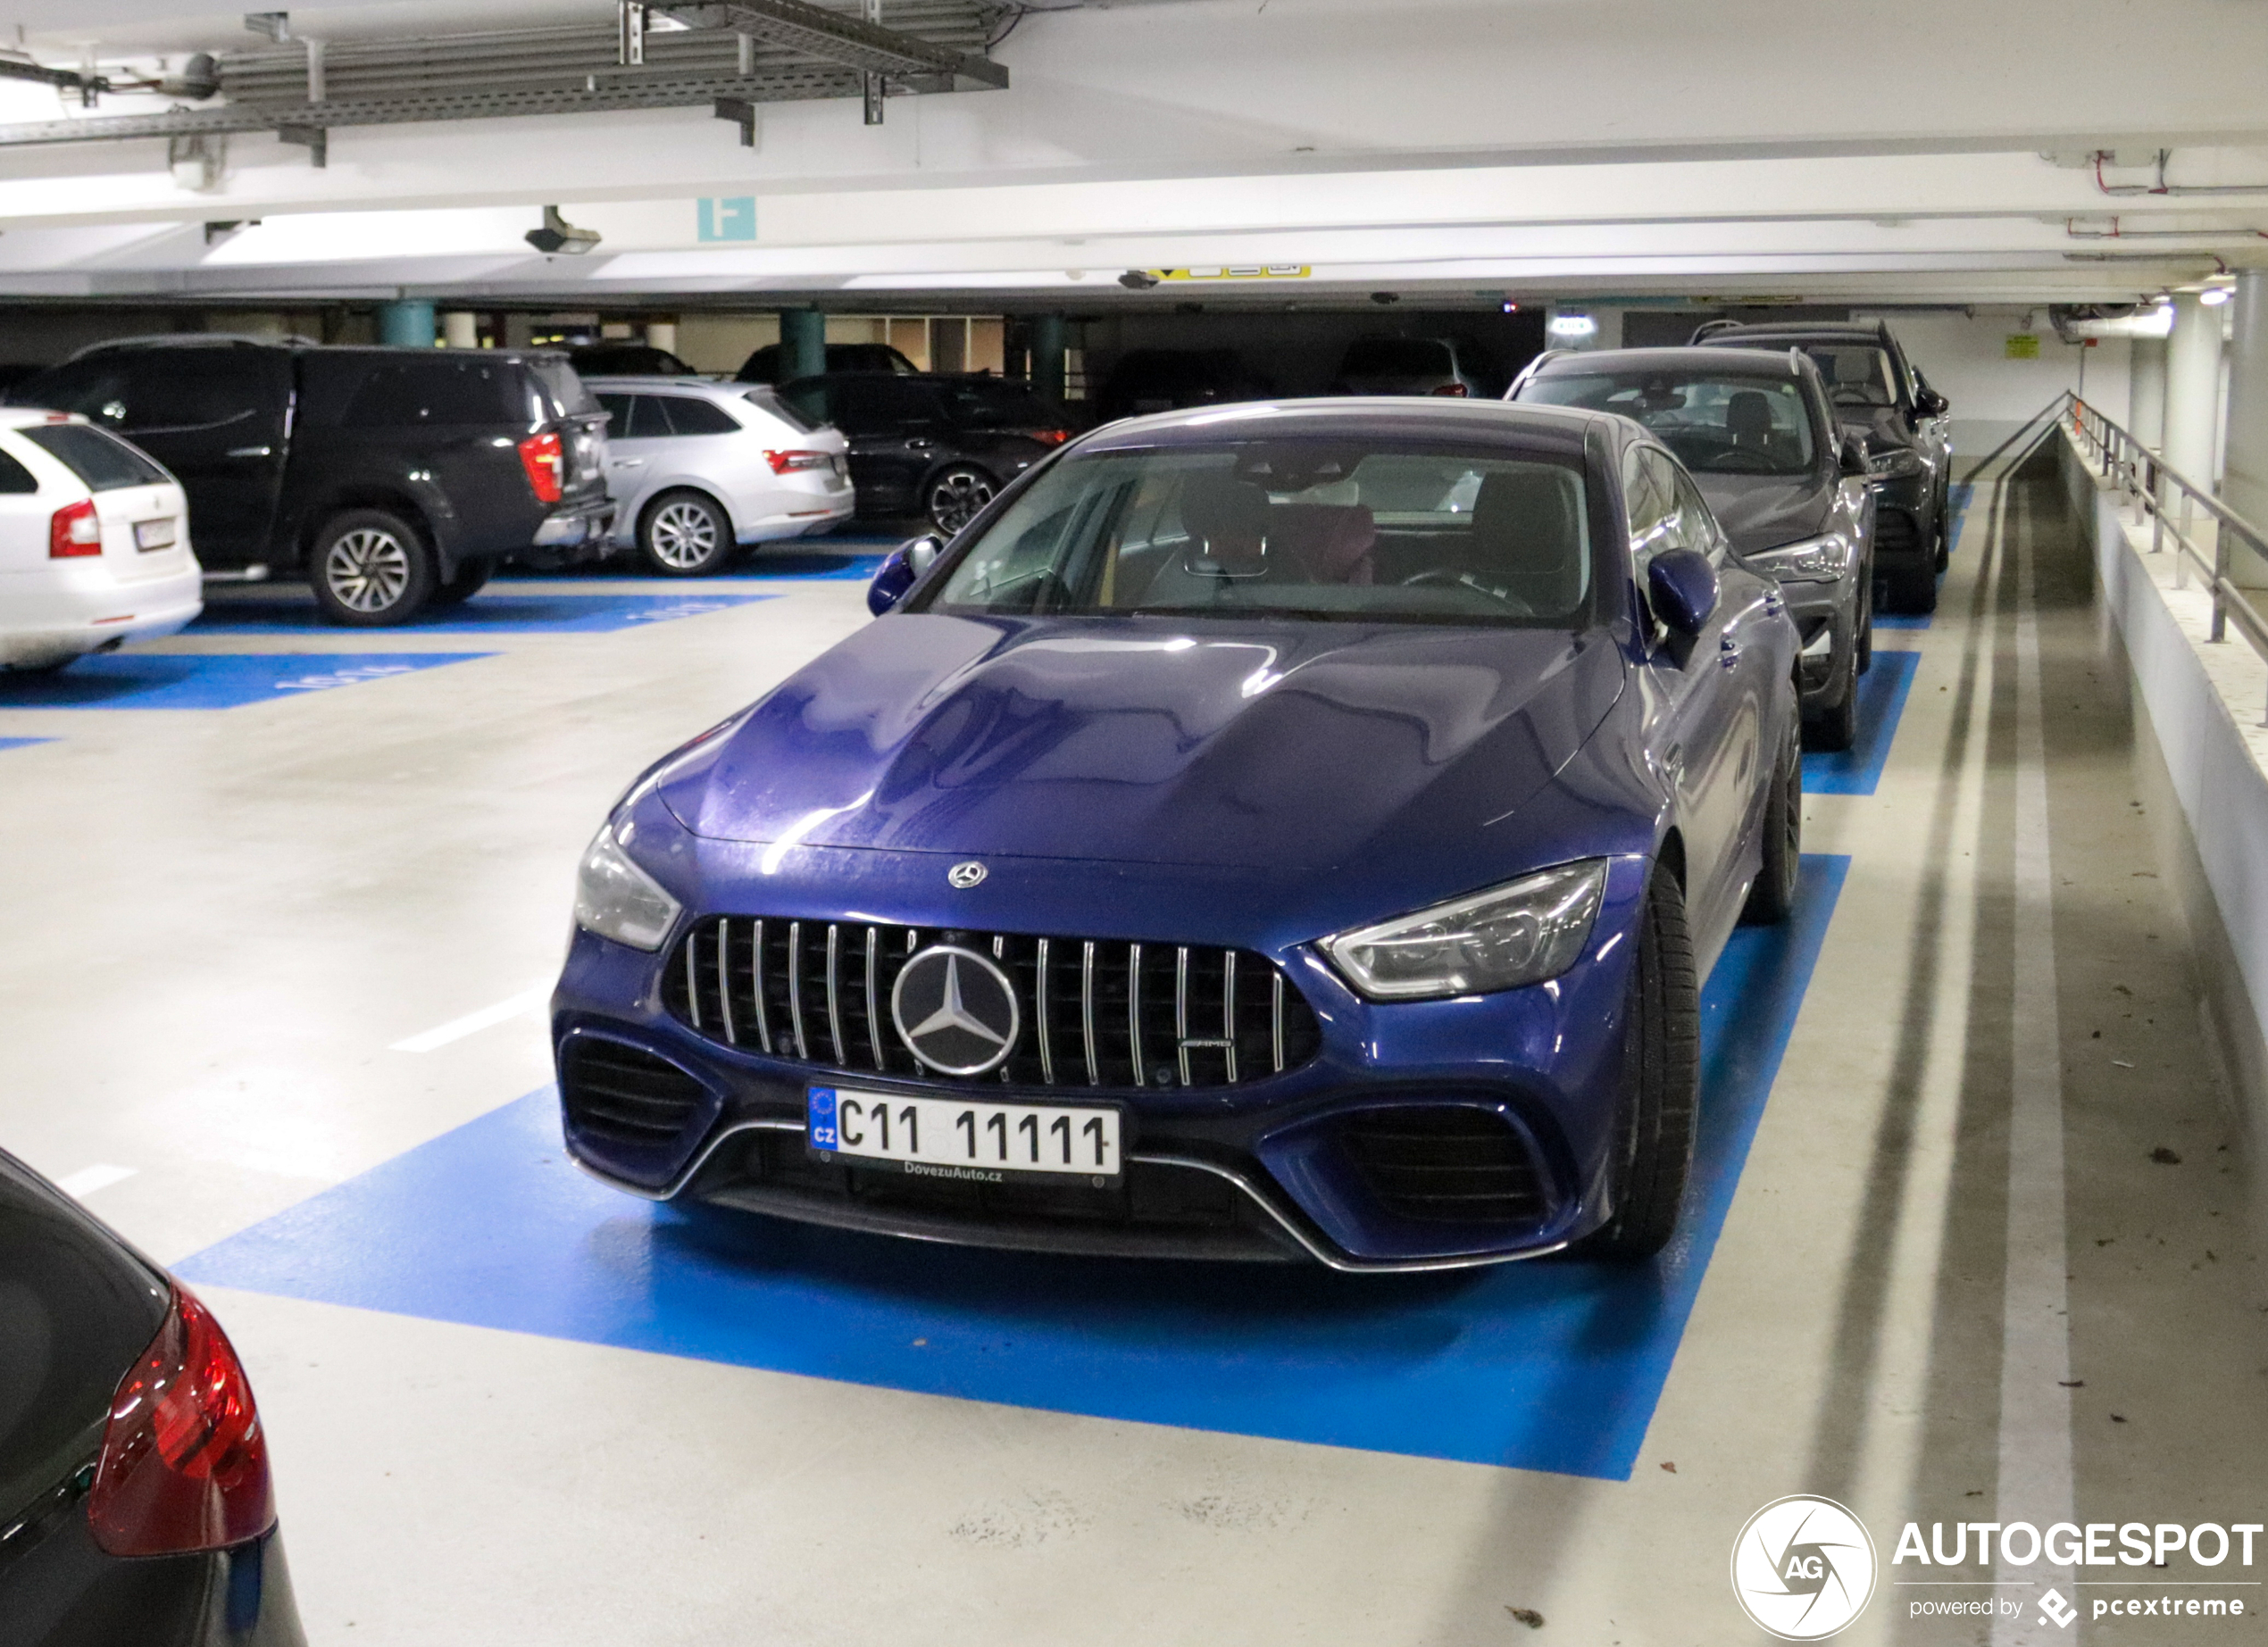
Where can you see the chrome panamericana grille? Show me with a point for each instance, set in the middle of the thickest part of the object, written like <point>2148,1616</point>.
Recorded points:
<point>1097,1012</point>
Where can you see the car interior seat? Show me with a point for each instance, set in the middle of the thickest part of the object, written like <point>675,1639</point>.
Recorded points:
<point>1329,543</point>
<point>1526,539</point>
<point>1747,419</point>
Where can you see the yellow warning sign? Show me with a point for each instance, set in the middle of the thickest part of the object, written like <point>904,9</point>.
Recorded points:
<point>1246,271</point>
<point>2023,345</point>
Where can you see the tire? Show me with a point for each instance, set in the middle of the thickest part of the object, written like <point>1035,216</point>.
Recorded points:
<point>41,672</point>
<point>371,568</point>
<point>1941,535</point>
<point>1863,650</point>
<point>470,578</point>
<point>1914,591</point>
<point>1653,1121</point>
<point>1835,729</point>
<point>1773,895</point>
<point>956,494</point>
<point>685,534</point>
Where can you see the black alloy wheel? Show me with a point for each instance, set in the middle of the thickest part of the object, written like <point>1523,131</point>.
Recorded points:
<point>371,568</point>
<point>1774,896</point>
<point>1863,649</point>
<point>470,578</point>
<point>1913,590</point>
<point>956,494</point>
<point>1836,726</point>
<point>1654,1119</point>
<point>685,534</point>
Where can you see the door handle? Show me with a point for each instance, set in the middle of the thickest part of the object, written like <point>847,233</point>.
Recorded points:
<point>629,462</point>
<point>252,452</point>
<point>919,442</point>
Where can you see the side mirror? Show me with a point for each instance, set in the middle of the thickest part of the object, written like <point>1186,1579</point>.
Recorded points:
<point>1930,404</point>
<point>1682,587</point>
<point>1854,458</point>
<point>900,570</point>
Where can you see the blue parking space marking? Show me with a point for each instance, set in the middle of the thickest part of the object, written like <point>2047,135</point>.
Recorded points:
<point>1553,1365</point>
<point>22,742</point>
<point>1882,700</point>
<point>811,563</point>
<point>515,611</point>
<point>209,679</point>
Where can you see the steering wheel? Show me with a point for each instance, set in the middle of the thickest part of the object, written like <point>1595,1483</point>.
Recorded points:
<point>1442,578</point>
<point>1736,460</point>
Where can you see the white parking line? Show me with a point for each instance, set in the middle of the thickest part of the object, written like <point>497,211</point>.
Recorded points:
<point>473,1023</point>
<point>87,1180</point>
<point>2035,1482</point>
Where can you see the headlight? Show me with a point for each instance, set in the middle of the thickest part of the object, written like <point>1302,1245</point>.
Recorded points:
<point>1896,464</point>
<point>1523,932</point>
<point>1815,559</point>
<point>618,899</point>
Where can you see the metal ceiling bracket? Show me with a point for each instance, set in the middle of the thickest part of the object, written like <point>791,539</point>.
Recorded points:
<point>741,110</point>
<point>275,25</point>
<point>863,45</point>
<point>315,138</point>
<point>631,52</point>
<point>870,87</point>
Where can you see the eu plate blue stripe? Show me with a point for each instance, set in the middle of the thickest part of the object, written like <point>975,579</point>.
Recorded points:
<point>1881,702</point>
<point>1553,1365</point>
<point>209,679</point>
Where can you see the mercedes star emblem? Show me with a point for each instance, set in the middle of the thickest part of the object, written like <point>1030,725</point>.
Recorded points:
<point>956,1010</point>
<point>963,876</point>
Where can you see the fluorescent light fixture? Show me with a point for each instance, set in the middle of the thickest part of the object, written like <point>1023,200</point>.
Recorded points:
<point>1571,326</point>
<point>2214,295</point>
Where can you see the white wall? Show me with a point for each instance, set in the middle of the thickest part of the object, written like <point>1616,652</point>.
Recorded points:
<point>1966,358</point>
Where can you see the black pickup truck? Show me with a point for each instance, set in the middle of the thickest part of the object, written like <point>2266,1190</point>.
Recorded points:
<point>391,479</point>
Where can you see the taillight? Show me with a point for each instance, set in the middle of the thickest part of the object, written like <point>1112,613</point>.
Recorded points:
<point>787,462</point>
<point>74,531</point>
<point>1051,437</point>
<point>1457,389</point>
<point>540,457</point>
<point>183,1463</point>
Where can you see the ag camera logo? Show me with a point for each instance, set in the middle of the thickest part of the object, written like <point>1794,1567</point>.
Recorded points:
<point>1803,1567</point>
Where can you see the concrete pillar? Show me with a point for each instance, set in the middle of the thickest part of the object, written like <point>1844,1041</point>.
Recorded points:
<point>1047,346</point>
<point>661,335</point>
<point>2244,485</point>
<point>406,324</point>
<point>948,343</point>
<point>2193,389</point>
<point>461,330</point>
<point>803,344</point>
<point>2146,391</point>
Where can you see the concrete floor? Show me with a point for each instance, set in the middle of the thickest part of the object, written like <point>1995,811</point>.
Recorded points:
<point>222,923</point>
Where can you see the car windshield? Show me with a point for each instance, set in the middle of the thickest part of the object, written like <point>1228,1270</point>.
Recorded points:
<point>974,403</point>
<point>1396,357</point>
<point>1856,375</point>
<point>1716,425</point>
<point>1324,529</point>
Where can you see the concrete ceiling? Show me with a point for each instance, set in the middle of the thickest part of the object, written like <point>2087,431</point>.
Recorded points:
<point>1540,147</point>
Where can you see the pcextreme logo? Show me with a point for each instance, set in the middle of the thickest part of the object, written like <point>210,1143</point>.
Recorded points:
<point>1803,1567</point>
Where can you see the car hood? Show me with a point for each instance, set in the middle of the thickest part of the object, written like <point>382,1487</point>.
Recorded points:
<point>1134,741</point>
<point>1759,512</point>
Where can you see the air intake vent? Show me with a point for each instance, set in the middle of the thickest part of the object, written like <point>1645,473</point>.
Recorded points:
<point>1097,1012</point>
<point>625,1095</point>
<point>1447,1164</point>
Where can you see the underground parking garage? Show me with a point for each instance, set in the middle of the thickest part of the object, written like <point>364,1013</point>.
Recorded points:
<point>1136,822</point>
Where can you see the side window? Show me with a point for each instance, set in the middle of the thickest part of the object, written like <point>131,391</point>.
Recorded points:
<point>1650,504</point>
<point>14,476</point>
<point>688,416</point>
<point>411,393</point>
<point>1696,525</point>
<point>889,405</point>
<point>617,408</point>
<point>201,388</point>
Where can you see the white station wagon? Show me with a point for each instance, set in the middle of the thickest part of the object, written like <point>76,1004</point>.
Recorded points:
<point>94,544</point>
<point>696,468</point>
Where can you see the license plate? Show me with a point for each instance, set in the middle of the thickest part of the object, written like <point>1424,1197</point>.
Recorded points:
<point>962,1138</point>
<point>154,534</point>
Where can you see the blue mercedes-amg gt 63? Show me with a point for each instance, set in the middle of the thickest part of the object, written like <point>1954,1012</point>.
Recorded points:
<point>1274,830</point>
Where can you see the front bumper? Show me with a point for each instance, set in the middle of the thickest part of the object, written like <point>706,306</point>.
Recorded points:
<point>1274,1167</point>
<point>1826,620</point>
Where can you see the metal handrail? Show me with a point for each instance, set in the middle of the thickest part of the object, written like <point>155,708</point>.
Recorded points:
<point>2153,487</point>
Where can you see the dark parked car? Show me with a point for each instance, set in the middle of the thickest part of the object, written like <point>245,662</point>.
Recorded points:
<point>1142,381</point>
<point>1411,366</point>
<point>1880,397</point>
<point>390,479</point>
<point>1294,835</point>
<point>627,359</point>
<point>928,445</point>
<point>135,1503</point>
<point>1756,433</point>
<point>766,364</point>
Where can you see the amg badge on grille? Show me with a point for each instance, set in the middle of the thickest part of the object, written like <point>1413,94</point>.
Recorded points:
<point>963,876</point>
<point>957,1010</point>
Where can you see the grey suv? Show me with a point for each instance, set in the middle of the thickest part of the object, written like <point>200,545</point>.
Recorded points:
<point>1758,436</point>
<point>1880,397</point>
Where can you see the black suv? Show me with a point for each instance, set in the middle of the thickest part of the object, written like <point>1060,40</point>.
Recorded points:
<point>1142,381</point>
<point>942,446</point>
<point>1880,398</point>
<point>766,364</point>
<point>391,479</point>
